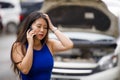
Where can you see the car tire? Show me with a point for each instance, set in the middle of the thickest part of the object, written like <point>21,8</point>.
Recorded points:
<point>11,28</point>
<point>1,29</point>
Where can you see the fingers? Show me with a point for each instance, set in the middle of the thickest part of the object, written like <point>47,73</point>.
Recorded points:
<point>30,33</point>
<point>50,23</point>
<point>45,14</point>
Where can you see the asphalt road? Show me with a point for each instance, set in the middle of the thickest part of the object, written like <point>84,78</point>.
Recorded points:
<point>6,72</point>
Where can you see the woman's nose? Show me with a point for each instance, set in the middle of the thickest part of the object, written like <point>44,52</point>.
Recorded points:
<point>41,29</point>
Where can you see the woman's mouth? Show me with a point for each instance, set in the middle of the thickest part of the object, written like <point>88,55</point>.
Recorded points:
<point>41,35</point>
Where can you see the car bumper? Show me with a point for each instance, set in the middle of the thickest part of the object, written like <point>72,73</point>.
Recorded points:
<point>111,74</point>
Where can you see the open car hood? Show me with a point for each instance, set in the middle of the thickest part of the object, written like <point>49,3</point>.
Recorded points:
<point>82,15</point>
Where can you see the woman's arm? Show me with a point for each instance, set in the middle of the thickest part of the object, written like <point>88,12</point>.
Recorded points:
<point>63,42</point>
<point>23,63</point>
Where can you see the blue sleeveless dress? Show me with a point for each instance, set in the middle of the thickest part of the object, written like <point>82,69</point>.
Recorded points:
<point>42,65</point>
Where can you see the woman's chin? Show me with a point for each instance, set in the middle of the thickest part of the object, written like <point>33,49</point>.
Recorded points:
<point>39,37</point>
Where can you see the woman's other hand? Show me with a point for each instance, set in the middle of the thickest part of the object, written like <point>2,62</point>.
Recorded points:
<point>50,23</point>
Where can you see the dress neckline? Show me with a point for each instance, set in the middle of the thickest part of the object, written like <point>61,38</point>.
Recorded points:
<point>40,48</point>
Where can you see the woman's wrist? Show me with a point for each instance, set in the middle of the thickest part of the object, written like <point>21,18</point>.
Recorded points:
<point>54,29</point>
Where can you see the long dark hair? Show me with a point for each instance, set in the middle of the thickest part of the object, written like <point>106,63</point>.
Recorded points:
<point>21,35</point>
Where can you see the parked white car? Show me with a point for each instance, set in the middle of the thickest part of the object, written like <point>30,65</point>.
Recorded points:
<point>10,11</point>
<point>94,31</point>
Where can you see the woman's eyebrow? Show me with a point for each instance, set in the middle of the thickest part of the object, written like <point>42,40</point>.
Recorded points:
<point>41,24</point>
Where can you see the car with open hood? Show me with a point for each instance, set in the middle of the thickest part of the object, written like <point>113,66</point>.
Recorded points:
<point>94,31</point>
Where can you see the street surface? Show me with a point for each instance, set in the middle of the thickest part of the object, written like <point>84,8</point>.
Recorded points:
<point>6,72</point>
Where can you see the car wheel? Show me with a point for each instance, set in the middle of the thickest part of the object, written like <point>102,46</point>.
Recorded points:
<point>1,29</point>
<point>11,28</point>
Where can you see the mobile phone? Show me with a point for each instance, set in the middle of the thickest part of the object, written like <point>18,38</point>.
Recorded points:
<point>30,28</point>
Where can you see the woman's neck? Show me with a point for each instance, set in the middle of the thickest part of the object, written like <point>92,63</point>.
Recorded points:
<point>37,44</point>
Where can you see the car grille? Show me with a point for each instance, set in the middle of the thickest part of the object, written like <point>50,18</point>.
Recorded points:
<point>73,69</point>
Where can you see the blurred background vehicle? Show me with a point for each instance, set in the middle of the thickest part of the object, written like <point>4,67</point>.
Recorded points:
<point>1,26</point>
<point>10,11</point>
<point>15,11</point>
<point>94,31</point>
<point>29,6</point>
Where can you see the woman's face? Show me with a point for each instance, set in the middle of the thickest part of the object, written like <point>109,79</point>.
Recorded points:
<point>40,28</point>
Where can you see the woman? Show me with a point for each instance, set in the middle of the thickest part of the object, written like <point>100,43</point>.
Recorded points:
<point>32,52</point>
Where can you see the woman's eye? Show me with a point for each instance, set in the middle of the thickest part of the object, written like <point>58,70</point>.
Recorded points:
<point>45,27</point>
<point>38,26</point>
<point>42,27</point>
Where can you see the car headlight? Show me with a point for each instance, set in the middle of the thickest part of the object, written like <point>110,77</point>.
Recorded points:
<point>108,62</point>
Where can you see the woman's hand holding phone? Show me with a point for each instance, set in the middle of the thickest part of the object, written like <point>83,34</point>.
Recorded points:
<point>30,34</point>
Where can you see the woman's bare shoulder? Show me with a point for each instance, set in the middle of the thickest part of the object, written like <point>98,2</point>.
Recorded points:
<point>17,45</point>
<point>50,42</point>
